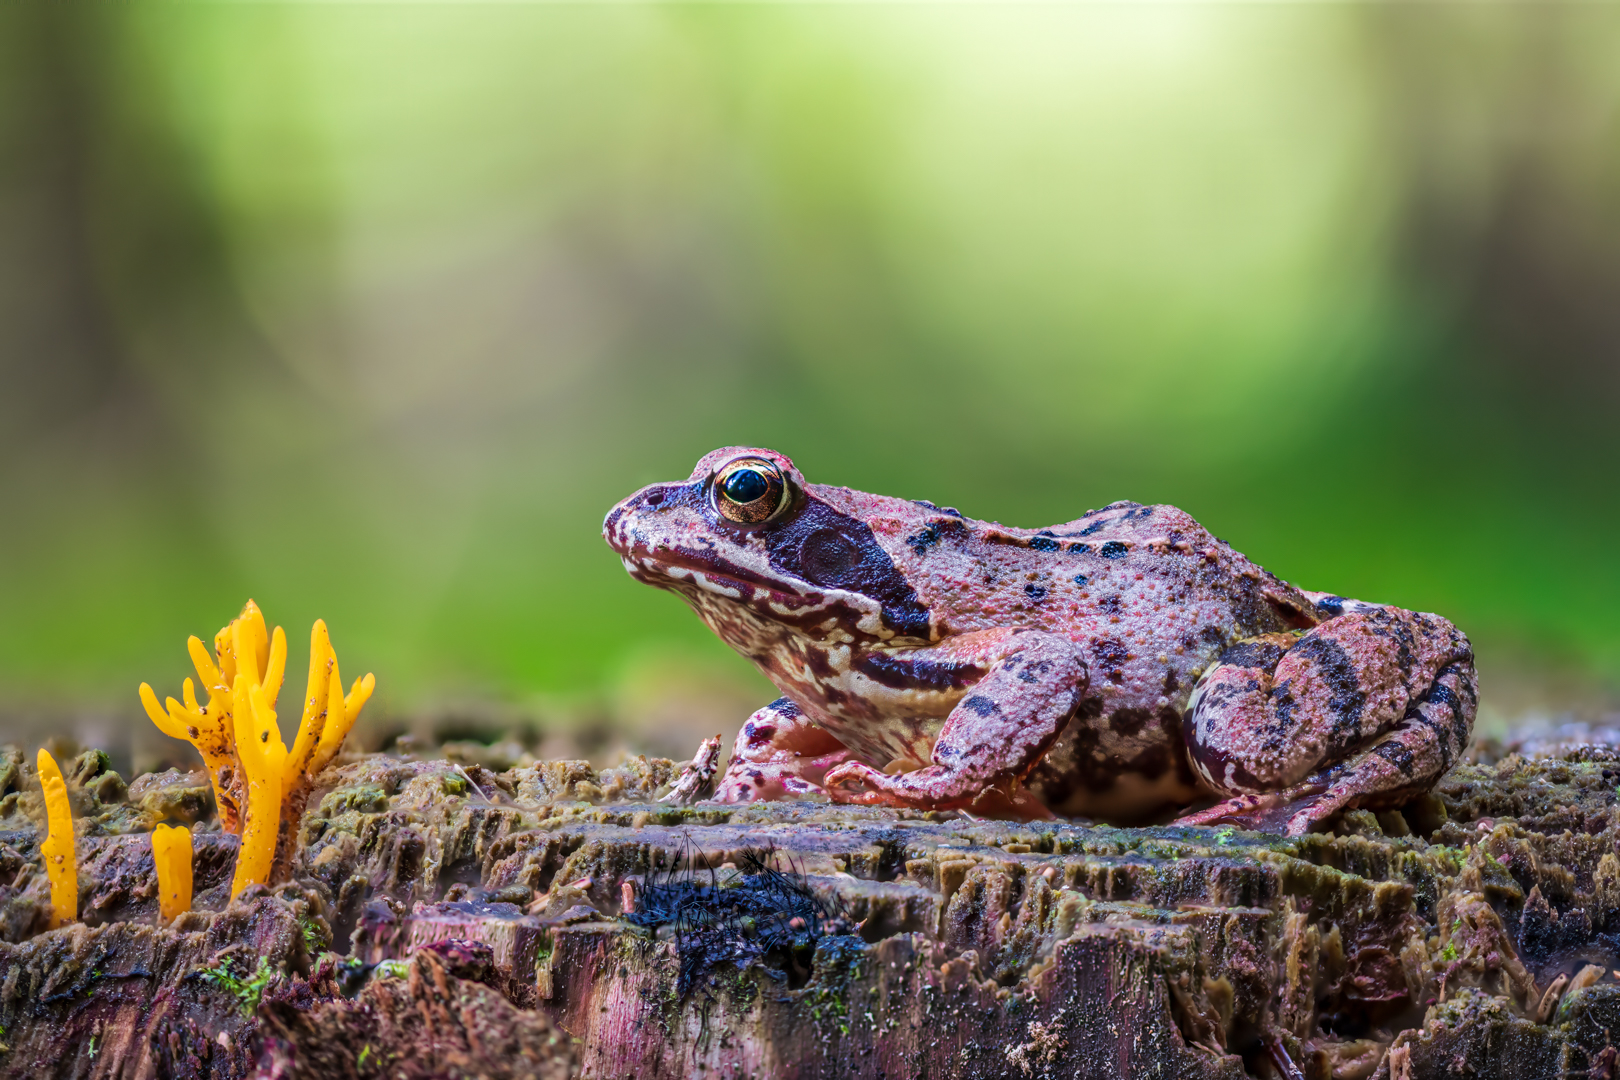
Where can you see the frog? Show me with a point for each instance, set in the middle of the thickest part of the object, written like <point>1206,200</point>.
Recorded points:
<point>1127,666</point>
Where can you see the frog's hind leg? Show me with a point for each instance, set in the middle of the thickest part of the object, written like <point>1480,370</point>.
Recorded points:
<point>779,754</point>
<point>1364,710</point>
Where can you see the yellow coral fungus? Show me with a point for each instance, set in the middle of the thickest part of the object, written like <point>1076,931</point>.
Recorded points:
<point>171,851</point>
<point>262,787</point>
<point>57,850</point>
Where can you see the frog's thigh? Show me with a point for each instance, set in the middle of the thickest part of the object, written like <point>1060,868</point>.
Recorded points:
<point>1407,760</point>
<point>994,735</point>
<point>778,753</point>
<point>1275,710</point>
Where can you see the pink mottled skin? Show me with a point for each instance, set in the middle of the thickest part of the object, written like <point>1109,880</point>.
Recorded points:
<point>1116,666</point>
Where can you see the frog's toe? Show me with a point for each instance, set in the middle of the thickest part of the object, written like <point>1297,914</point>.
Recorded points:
<point>1293,812</point>
<point>1306,820</point>
<point>763,783</point>
<point>856,782</point>
<point>739,789</point>
<point>1241,810</point>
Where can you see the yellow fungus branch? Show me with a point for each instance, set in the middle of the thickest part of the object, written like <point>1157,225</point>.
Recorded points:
<point>207,728</point>
<point>171,852</point>
<point>61,865</point>
<point>261,786</point>
<point>264,757</point>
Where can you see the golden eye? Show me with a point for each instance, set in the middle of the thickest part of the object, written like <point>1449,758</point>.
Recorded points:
<point>750,491</point>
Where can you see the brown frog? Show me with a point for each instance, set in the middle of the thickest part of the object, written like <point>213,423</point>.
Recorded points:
<point>1120,664</point>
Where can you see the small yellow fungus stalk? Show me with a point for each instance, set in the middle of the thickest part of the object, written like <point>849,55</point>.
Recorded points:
<point>61,866</point>
<point>171,851</point>
<point>262,787</point>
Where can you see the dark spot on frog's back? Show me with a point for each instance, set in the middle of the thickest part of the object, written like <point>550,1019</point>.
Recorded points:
<point>835,551</point>
<point>1036,593</point>
<point>923,539</point>
<point>1251,611</point>
<point>1262,655</point>
<point>1114,549</point>
<point>951,510</point>
<point>1111,656</point>
<point>935,533</point>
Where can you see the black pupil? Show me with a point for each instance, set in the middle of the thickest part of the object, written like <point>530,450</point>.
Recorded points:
<point>745,486</point>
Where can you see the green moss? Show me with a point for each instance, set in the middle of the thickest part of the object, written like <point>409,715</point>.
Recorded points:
<point>364,799</point>
<point>248,989</point>
<point>314,938</point>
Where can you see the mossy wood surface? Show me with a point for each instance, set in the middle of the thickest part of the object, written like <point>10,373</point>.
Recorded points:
<point>446,920</point>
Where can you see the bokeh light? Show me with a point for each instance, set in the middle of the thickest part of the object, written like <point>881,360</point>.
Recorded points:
<point>371,313</point>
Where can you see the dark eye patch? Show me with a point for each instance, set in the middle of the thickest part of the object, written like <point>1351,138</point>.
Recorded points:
<point>835,551</point>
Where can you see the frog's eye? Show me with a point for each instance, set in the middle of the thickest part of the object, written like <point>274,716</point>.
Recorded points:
<point>750,491</point>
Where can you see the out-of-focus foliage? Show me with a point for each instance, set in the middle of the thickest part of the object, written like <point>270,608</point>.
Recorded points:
<point>375,311</point>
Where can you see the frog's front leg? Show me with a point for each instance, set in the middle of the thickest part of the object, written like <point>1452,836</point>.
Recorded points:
<point>779,753</point>
<point>994,735</point>
<point>1363,710</point>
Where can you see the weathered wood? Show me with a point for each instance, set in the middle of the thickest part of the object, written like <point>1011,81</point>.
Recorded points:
<point>478,917</point>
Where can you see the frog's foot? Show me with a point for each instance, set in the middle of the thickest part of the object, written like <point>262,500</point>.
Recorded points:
<point>779,754</point>
<point>1272,812</point>
<point>1238,810</point>
<point>859,784</point>
<point>1304,807</point>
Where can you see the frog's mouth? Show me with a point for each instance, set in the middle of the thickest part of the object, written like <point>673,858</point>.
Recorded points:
<point>672,567</point>
<point>653,555</point>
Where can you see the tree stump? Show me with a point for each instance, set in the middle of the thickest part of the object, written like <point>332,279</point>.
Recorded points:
<point>557,920</point>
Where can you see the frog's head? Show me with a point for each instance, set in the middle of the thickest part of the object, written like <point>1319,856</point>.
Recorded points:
<point>755,549</point>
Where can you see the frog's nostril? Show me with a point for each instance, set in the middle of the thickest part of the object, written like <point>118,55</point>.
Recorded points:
<point>655,497</point>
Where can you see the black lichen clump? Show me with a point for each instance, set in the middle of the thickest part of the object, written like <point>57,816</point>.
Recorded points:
<point>762,916</point>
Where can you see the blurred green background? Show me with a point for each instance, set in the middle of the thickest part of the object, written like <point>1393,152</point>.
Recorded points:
<point>372,312</point>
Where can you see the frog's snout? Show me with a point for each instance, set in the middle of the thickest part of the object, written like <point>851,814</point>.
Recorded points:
<point>618,528</point>
<point>613,525</point>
